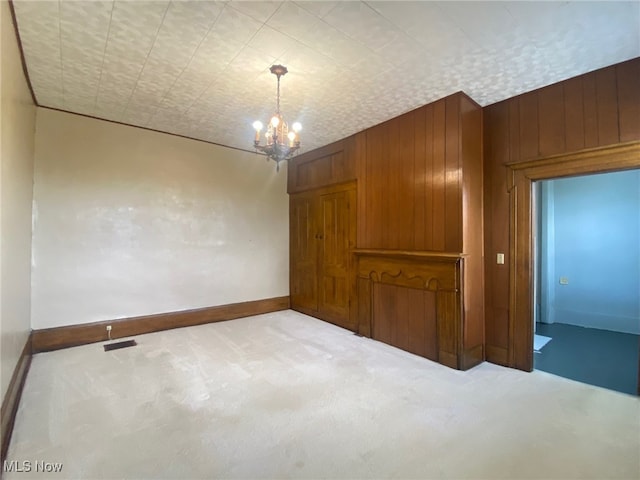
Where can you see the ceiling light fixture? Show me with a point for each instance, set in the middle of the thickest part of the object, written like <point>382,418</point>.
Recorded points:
<point>281,143</point>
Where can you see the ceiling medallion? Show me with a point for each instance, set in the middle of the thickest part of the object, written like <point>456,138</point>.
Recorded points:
<point>280,142</point>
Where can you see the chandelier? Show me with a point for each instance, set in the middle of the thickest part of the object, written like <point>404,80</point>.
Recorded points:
<point>280,142</point>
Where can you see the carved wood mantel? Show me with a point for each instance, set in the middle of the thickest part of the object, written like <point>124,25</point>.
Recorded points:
<point>414,301</point>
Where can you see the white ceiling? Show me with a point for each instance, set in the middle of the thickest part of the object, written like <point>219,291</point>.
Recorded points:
<point>201,68</point>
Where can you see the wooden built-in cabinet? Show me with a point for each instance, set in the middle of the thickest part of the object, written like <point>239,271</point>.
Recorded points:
<point>415,275</point>
<point>322,232</point>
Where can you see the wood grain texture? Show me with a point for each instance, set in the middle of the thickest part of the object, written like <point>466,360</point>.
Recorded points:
<point>452,169</point>
<point>594,107</point>
<point>551,113</point>
<point>602,159</point>
<point>412,180</point>
<point>436,218</point>
<point>328,165</point>
<point>73,335</point>
<point>303,277</point>
<point>607,102</point>
<point>322,233</point>
<point>628,79</point>
<point>413,300</point>
<point>11,398</point>
<point>471,219</point>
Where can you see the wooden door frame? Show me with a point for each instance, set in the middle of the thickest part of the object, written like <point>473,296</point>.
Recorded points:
<point>612,158</point>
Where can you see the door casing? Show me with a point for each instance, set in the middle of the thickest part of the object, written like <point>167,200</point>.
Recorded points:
<point>618,157</point>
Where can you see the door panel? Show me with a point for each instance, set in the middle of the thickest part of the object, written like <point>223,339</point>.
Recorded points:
<point>304,254</point>
<point>335,226</point>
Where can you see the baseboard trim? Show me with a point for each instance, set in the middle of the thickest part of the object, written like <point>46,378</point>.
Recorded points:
<point>49,339</point>
<point>12,398</point>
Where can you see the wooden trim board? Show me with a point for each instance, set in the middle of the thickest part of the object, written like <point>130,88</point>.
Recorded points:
<point>12,398</point>
<point>522,175</point>
<point>49,339</point>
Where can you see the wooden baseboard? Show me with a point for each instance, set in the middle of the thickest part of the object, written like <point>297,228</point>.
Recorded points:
<point>49,339</point>
<point>12,398</point>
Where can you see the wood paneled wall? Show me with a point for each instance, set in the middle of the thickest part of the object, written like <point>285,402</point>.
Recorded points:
<point>409,174</point>
<point>329,165</point>
<point>411,177</point>
<point>596,109</point>
<point>419,189</point>
<point>413,300</point>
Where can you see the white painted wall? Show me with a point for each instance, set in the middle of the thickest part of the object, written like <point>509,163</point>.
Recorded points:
<point>133,222</point>
<point>17,121</point>
<point>593,237</point>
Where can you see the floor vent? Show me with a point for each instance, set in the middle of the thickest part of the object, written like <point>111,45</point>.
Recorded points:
<point>117,345</point>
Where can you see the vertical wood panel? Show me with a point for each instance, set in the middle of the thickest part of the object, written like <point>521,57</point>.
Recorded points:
<point>360,165</point>
<point>447,328</point>
<point>376,194</point>
<point>436,220</point>
<point>416,322</point>
<point>551,121</point>
<point>453,193</point>
<point>401,318</point>
<point>430,325</point>
<point>607,98</point>
<point>405,212</point>
<point>573,114</point>
<point>420,179</point>
<point>429,206</point>
<point>511,139</point>
<point>529,135</point>
<point>590,108</point>
<point>384,300</point>
<point>471,221</point>
<point>364,299</point>
<point>393,164</point>
<point>628,77</point>
<point>498,142</point>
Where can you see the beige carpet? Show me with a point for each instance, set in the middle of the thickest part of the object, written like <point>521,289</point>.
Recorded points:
<point>287,396</point>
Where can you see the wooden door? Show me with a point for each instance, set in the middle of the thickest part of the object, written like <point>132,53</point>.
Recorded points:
<point>337,236</point>
<point>304,252</point>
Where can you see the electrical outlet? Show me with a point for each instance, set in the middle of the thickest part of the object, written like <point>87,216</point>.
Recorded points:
<point>108,328</point>
<point>564,281</point>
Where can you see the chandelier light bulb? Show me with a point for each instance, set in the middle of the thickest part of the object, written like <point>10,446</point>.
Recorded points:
<point>296,127</point>
<point>275,121</point>
<point>258,126</point>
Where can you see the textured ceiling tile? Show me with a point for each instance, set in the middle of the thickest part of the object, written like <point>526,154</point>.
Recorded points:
<point>260,10</point>
<point>360,22</point>
<point>484,23</point>
<point>201,69</point>
<point>294,21</point>
<point>235,25</point>
<point>318,8</point>
<point>273,42</point>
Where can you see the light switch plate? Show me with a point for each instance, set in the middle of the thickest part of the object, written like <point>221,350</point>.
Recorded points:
<point>500,258</point>
<point>564,281</point>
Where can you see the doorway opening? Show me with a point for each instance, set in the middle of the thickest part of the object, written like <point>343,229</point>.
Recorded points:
<point>586,278</point>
